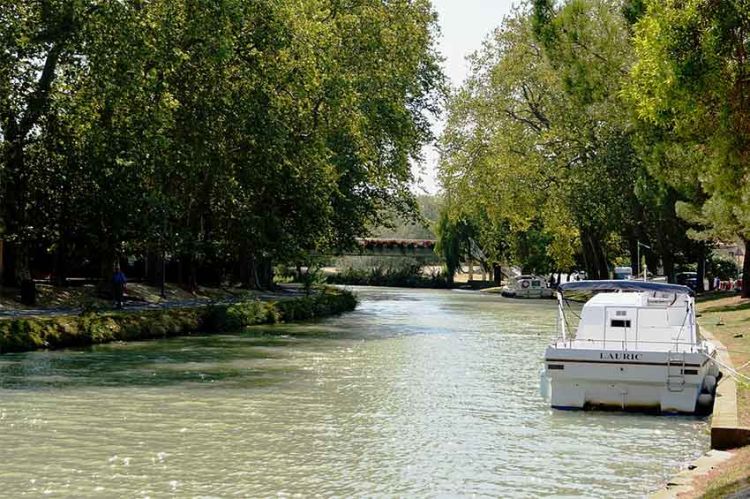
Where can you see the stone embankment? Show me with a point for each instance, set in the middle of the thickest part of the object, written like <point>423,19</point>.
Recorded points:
<point>726,432</point>
<point>18,334</point>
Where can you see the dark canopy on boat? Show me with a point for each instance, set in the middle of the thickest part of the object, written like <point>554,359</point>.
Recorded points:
<point>594,286</point>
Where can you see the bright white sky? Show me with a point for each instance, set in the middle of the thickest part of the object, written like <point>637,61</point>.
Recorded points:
<point>465,24</point>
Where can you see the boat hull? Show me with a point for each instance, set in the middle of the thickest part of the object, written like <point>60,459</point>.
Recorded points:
<point>578,379</point>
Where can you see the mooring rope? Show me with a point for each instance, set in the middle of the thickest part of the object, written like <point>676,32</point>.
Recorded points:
<point>731,370</point>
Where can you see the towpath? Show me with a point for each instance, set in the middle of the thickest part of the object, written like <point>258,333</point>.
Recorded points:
<point>140,305</point>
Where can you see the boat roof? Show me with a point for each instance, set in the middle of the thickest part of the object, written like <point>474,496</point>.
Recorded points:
<point>621,299</point>
<point>579,286</point>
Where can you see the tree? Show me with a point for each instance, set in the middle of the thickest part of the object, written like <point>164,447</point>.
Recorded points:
<point>536,136</point>
<point>453,243</point>
<point>36,39</point>
<point>226,136</point>
<point>691,80</point>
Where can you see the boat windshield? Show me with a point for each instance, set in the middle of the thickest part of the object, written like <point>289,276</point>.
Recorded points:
<point>582,290</point>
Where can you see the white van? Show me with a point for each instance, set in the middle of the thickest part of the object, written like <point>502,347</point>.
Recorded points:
<point>622,273</point>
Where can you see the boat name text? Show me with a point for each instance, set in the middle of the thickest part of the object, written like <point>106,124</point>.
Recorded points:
<point>620,356</point>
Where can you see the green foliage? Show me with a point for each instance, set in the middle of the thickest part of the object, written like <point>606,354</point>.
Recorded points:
<point>453,243</point>
<point>690,86</point>
<point>535,138</point>
<point>541,150</point>
<point>424,227</point>
<point>330,301</point>
<point>311,278</point>
<point>393,272</point>
<point>724,268</point>
<point>245,314</point>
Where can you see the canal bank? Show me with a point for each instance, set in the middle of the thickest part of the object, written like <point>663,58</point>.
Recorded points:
<point>19,334</point>
<point>725,470</point>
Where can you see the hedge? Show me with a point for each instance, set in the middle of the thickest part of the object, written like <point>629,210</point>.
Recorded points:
<point>23,334</point>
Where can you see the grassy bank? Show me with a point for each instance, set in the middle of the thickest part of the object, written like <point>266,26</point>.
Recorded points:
<point>23,334</point>
<point>728,318</point>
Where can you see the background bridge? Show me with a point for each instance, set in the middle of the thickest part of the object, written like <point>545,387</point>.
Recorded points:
<point>422,249</point>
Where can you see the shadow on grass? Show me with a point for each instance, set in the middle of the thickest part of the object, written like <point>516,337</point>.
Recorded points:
<point>714,296</point>
<point>736,307</point>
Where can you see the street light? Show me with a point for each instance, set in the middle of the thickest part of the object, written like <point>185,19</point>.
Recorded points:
<point>639,258</point>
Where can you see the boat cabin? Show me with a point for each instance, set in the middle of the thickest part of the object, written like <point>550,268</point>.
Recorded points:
<point>636,346</point>
<point>637,320</point>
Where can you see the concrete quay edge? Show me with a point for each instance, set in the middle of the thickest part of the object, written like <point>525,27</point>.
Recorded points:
<point>726,432</point>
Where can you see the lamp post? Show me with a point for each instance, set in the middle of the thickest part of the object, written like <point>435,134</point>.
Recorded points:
<point>163,256</point>
<point>639,258</point>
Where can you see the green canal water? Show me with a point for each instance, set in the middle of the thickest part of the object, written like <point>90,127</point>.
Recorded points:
<point>417,393</point>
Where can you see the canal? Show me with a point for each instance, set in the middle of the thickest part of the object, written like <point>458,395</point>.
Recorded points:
<point>416,393</point>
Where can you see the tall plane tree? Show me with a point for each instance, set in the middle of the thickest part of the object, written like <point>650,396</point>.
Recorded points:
<point>692,79</point>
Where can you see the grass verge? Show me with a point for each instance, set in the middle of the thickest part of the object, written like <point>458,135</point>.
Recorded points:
<point>728,317</point>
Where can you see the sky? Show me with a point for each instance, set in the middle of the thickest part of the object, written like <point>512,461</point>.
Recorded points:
<point>464,25</point>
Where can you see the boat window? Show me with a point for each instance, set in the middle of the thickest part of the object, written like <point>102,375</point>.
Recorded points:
<point>536,284</point>
<point>619,323</point>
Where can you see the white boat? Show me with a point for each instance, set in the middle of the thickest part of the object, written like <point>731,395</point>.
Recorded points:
<point>636,347</point>
<point>527,286</point>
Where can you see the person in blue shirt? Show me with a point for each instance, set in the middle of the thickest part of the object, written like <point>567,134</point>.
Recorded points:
<point>118,286</point>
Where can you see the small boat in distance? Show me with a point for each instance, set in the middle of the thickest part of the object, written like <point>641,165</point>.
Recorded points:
<point>636,347</point>
<point>527,286</point>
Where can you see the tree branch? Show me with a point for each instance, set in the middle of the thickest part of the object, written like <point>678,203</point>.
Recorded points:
<point>534,106</point>
<point>39,99</point>
<point>537,128</point>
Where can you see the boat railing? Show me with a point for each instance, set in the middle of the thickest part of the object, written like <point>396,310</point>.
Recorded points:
<point>626,345</point>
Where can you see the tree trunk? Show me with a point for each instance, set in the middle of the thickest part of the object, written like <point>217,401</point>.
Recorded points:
<point>60,264</point>
<point>245,273</point>
<point>261,273</point>
<point>9,265</point>
<point>15,131</point>
<point>188,275</point>
<point>709,275</point>
<point>497,274</point>
<point>633,248</point>
<point>594,257</point>
<point>266,273</point>
<point>153,268</point>
<point>107,264</point>
<point>746,270</point>
<point>13,210</point>
<point>700,285</point>
<point>668,261</point>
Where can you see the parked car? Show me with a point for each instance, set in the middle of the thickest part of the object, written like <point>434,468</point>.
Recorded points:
<point>689,279</point>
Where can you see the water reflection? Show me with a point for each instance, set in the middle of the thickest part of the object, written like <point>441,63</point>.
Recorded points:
<point>416,393</point>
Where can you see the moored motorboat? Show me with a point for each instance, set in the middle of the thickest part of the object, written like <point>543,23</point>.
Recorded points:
<point>637,347</point>
<point>527,286</point>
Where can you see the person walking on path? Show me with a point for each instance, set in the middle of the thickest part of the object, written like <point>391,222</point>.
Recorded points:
<point>118,285</point>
